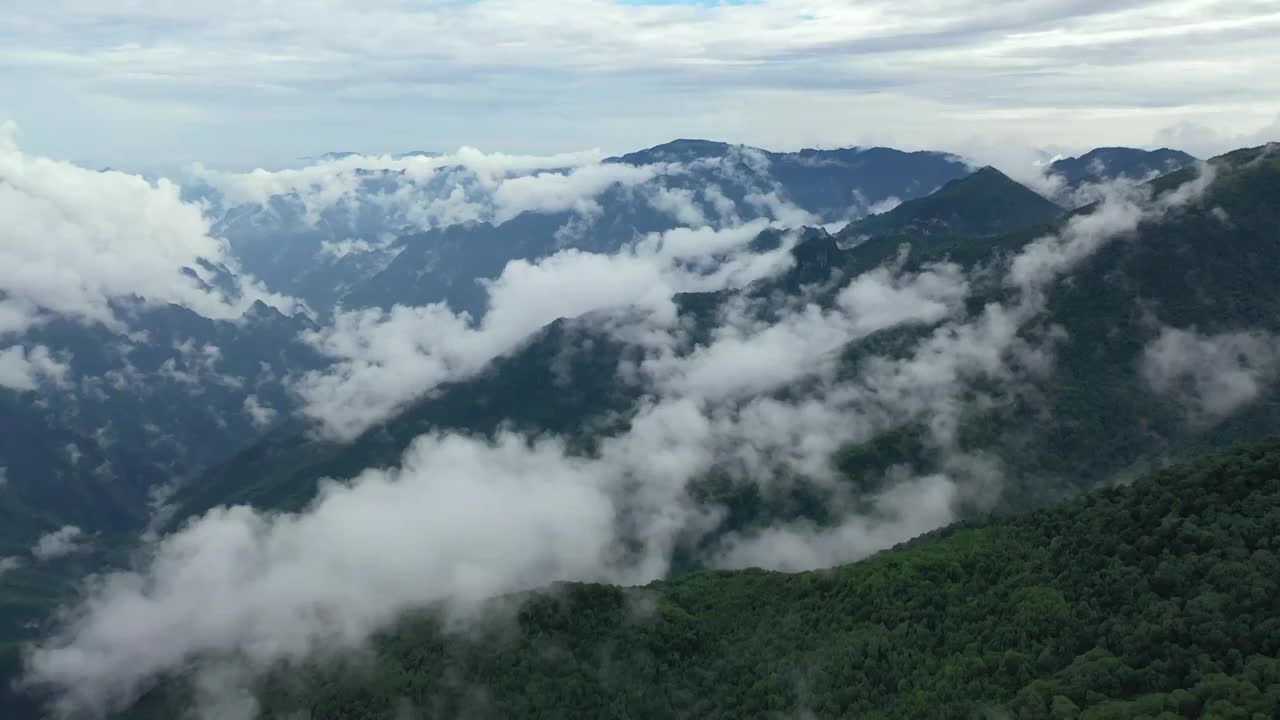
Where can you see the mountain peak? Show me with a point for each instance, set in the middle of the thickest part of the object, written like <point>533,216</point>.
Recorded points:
<point>1109,163</point>
<point>678,150</point>
<point>985,202</point>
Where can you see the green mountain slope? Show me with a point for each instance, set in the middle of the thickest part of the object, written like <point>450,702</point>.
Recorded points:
<point>520,391</point>
<point>1155,600</point>
<point>986,202</point>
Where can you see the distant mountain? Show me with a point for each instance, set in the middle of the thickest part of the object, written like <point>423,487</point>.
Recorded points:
<point>447,264</point>
<point>325,243</point>
<point>987,202</point>
<point>681,150</point>
<point>1154,599</point>
<point>139,412</point>
<point>1110,163</point>
<point>347,154</point>
<point>828,182</point>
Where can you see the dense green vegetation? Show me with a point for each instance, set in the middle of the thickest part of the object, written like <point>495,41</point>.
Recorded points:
<point>1155,600</point>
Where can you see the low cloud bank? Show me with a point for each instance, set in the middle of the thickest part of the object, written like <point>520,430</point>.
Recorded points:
<point>1211,376</point>
<point>383,360</point>
<point>75,241</point>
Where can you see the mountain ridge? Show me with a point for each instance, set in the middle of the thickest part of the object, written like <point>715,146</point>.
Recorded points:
<point>1131,601</point>
<point>986,202</point>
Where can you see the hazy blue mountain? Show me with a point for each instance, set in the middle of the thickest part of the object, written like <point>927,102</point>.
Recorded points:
<point>449,264</point>
<point>335,252</point>
<point>828,182</point>
<point>832,185</point>
<point>137,413</point>
<point>1110,163</point>
<point>313,261</point>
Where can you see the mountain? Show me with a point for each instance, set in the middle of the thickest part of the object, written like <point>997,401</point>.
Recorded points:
<point>987,202</point>
<point>418,234</point>
<point>860,395</point>
<point>319,257</point>
<point>826,182</point>
<point>86,464</point>
<point>1148,600</point>
<point>1110,163</point>
<point>1092,417</point>
<point>138,413</point>
<point>448,264</point>
<point>519,391</point>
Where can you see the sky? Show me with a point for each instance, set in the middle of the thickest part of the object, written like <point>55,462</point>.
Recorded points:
<point>241,83</point>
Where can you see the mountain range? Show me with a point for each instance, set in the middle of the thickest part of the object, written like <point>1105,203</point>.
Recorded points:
<point>783,360</point>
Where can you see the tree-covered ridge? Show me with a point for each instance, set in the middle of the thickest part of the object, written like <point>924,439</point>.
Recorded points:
<point>1154,600</point>
<point>987,202</point>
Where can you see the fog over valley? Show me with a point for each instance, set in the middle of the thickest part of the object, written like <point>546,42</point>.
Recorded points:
<point>893,403</point>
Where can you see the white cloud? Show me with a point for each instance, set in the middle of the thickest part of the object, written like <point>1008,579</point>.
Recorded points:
<point>382,195</point>
<point>339,249</point>
<point>554,192</point>
<point>59,543</point>
<point>907,509</point>
<point>681,205</point>
<point>424,192</point>
<point>76,240</point>
<point>255,589</point>
<point>260,414</point>
<point>1212,376</point>
<point>387,359</point>
<point>195,367</point>
<point>25,369</point>
<point>9,564</point>
<point>748,356</point>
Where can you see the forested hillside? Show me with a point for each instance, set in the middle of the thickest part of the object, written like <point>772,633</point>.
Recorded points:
<point>1155,600</point>
<point>631,359</point>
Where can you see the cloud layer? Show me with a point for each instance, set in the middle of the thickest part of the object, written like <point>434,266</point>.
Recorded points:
<point>24,369</point>
<point>384,360</point>
<point>240,590</point>
<point>75,242</point>
<point>165,82</point>
<point>59,543</point>
<point>1211,376</point>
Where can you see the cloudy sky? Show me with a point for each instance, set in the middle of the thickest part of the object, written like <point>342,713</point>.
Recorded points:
<point>152,83</point>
